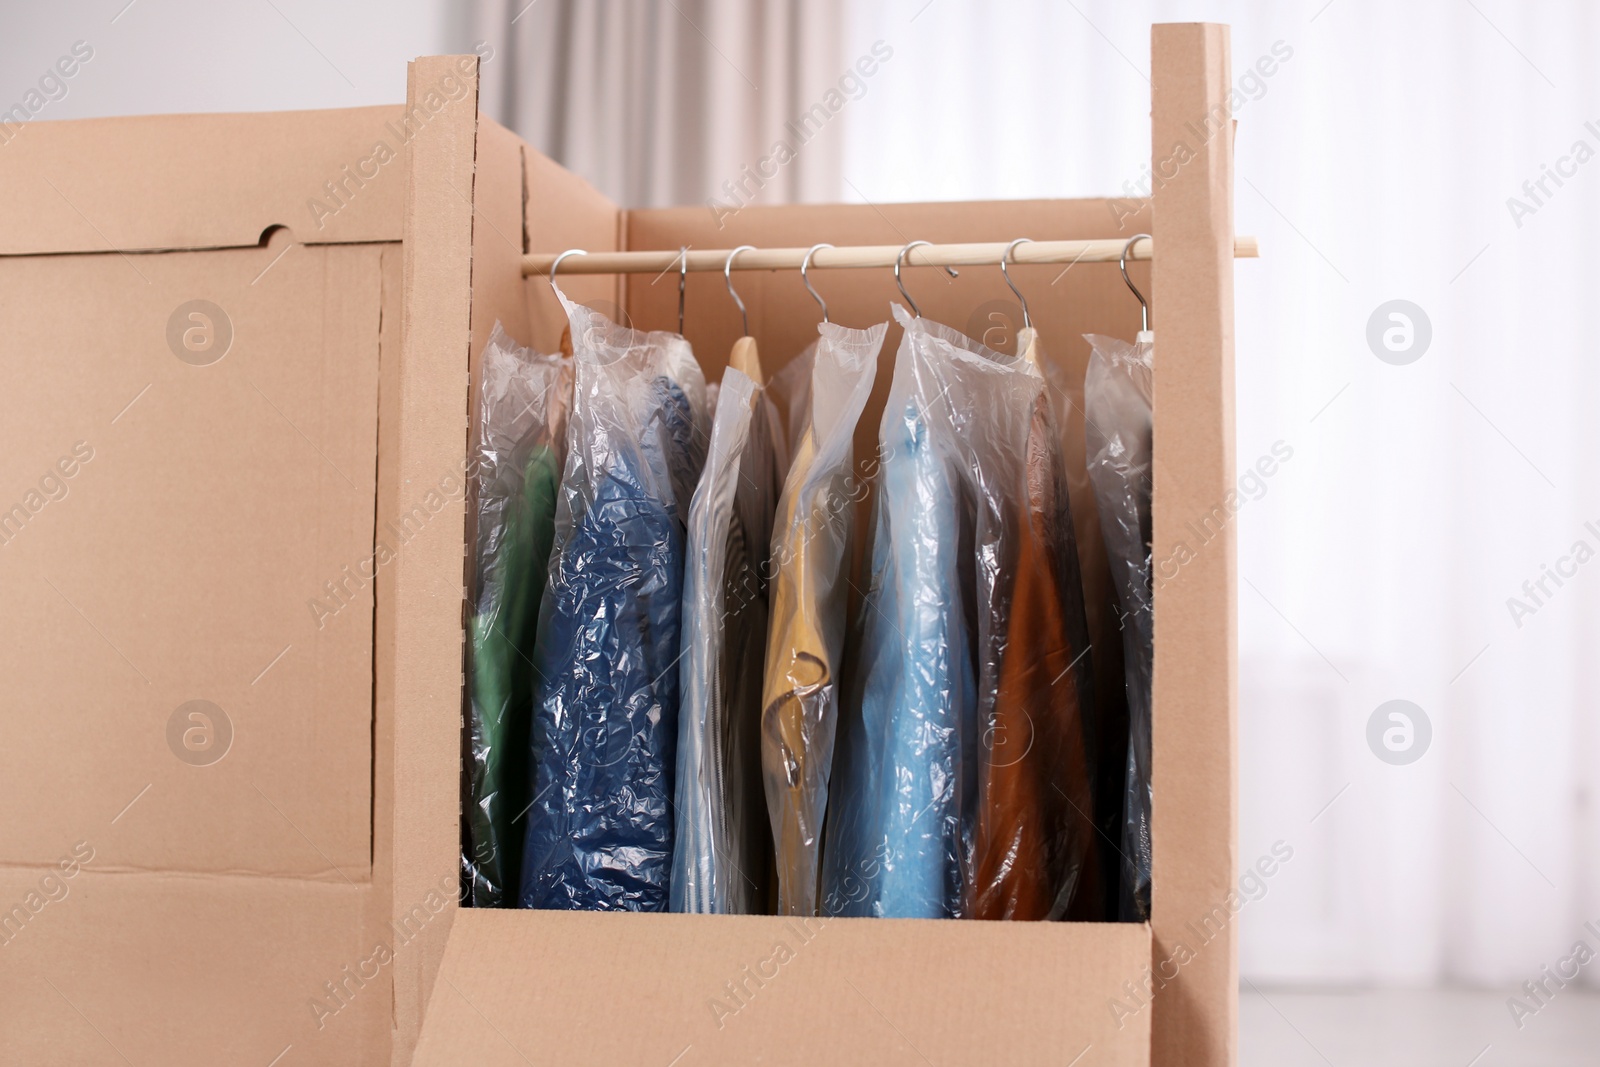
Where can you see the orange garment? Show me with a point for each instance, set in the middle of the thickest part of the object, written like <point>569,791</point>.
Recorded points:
<point>1031,854</point>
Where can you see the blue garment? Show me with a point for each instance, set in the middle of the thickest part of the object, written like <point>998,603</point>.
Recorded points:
<point>600,829</point>
<point>895,847</point>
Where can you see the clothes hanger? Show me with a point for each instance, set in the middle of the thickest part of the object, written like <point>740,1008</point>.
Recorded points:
<point>565,344</point>
<point>1027,337</point>
<point>744,357</point>
<point>900,258</point>
<point>683,282</point>
<point>1146,335</point>
<point>805,264</point>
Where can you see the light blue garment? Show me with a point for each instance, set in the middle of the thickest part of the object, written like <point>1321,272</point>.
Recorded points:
<point>895,848</point>
<point>914,750</point>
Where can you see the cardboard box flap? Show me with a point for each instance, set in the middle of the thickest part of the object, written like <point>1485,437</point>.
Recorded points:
<point>185,971</point>
<point>520,987</point>
<point>186,515</point>
<point>204,181</point>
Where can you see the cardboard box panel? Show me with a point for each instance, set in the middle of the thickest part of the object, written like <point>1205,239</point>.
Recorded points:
<point>563,211</point>
<point>205,181</point>
<point>182,561</point>
<point>1195,809</point>
<point>153,968</point>
<point>424,413</point>
<point>518,988</point>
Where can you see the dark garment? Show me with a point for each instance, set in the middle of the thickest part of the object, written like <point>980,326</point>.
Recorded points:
<point>722,859</point>
<point>606,690</point>
<point>1118,403</point>
<point>502,634</point>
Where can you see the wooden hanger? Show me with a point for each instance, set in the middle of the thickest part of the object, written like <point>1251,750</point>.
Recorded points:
<point>745,357</point>
<point>1028,344</point>
<point>1027,337</point>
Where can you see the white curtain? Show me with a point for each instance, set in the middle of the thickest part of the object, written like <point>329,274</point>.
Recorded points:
<point>1375,163</point>
<point>665,102</point>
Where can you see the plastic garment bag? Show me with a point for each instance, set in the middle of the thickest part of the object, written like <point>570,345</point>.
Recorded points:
<point>811,546</point>
<point>1117,402</point>
<point>959,749</point>
<point>1033,848</point>
<point>722,855</point>
<point>906,766</point>
<point>521,443</point>
<point>600,826</point>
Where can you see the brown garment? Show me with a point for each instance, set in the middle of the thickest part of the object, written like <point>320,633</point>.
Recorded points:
<point>1032,857</point>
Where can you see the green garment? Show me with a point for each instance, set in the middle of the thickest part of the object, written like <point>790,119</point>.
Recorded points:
<point>502,633</point>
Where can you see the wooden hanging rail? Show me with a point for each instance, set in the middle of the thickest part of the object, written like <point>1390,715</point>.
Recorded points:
<point>954,255</point>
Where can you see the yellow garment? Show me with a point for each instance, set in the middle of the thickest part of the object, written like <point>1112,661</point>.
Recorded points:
<point>799,689</point>
<point>809,597</point>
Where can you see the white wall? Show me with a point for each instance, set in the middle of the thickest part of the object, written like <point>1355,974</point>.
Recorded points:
<point>219,55</point>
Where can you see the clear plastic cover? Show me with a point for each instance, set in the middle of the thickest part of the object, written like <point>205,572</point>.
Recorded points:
<point>1034,854</point>
<point>521,443</point>
<point>600,825</point>
<point>722,860</point>
<point>962,784</point>
<point>1117,402</point>
<point>811,547</point>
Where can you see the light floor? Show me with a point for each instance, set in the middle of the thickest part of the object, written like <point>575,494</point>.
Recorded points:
<point>1413,1028</point>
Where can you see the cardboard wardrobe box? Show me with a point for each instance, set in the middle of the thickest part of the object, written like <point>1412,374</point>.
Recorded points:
<point>238,384</point>
<point>505,986</point>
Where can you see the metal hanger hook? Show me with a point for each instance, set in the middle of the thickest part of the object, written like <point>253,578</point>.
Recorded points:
<point>1027,322</point>
<point>805,265</point>
<point>683,282</point>
<point>1144,305</point>
<point>900,258</point>
<point>557,266</point>
<point>727,276</point>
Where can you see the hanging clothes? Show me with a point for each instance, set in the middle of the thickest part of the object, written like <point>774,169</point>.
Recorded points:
<point>722,856</point>
<point>960,756</point>
<point>1033,851</point>
<point>606,682</point>
<point>1118,406</point>
<point>524,399</point>
<point>906,770</point>
<point>809,595</point>
<point>902,758</point>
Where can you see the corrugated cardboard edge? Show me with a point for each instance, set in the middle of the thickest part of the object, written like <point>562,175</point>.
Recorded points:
<point>478,197</point>
<point>384,617</point>
<point>1196,649</point>
<point>427,414</point>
